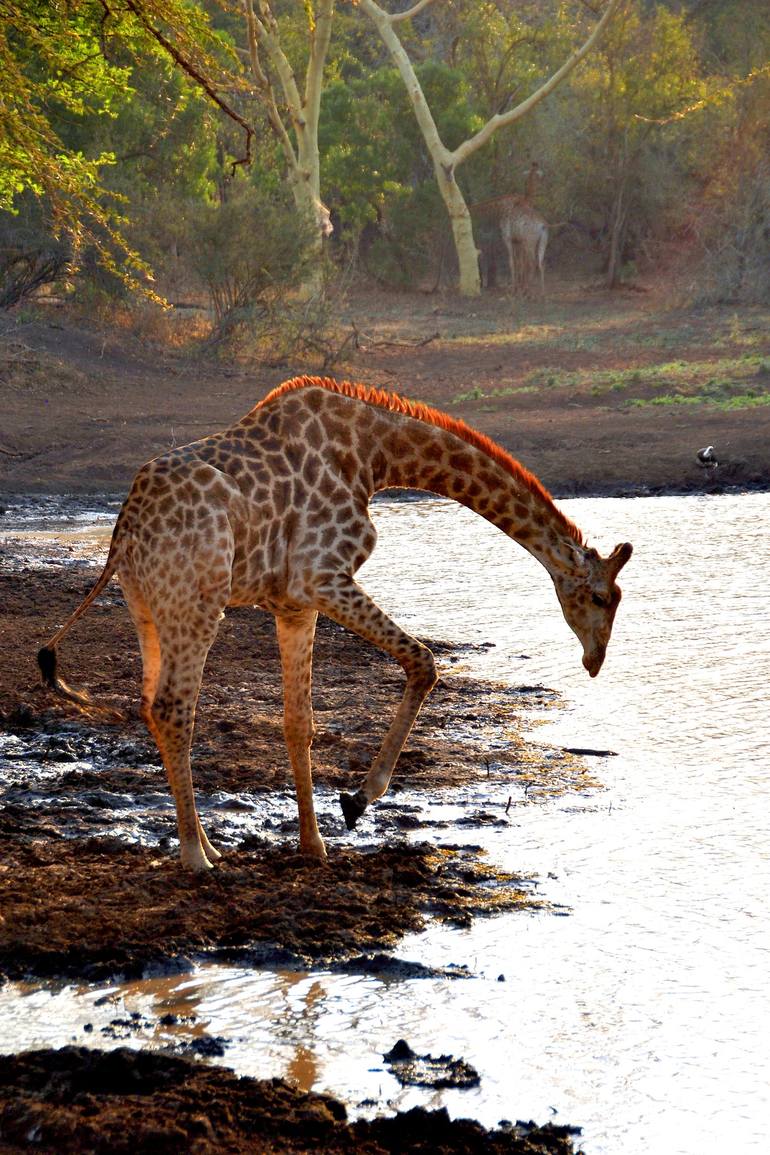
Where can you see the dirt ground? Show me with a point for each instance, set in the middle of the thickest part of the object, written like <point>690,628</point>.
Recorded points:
<point>565,385</point>
<point>139,1103</point>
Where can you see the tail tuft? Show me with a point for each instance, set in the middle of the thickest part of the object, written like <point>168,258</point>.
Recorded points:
<point>46,660</point>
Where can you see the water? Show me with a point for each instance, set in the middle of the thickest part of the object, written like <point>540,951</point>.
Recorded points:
<point>641,1017</point>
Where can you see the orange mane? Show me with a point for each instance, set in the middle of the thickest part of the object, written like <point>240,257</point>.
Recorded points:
<point>385,400</point>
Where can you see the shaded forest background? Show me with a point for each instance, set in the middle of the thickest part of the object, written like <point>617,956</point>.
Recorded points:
<point>141,161</point>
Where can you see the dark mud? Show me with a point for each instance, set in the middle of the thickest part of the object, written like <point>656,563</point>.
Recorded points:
<point>97,908</point>
<point>76,1100</point>
<point>91,885</point>
<point>435,1071</point>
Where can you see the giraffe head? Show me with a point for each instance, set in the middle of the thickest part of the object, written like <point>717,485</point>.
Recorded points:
<point>589,598</point>
<point>323,219</point>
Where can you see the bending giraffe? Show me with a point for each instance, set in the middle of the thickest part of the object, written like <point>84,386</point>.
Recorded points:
<point>274,512</point>
<point>523,230</point>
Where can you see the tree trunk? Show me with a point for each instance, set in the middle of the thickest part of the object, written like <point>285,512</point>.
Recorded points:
<point>462,233</point>
<point>443,167</point>
<point>301,154</point>
<point>445,162</point>
<point>617,230</point>
<point>618,223</point>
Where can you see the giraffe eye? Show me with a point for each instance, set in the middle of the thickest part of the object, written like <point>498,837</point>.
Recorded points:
<point>599,601</point>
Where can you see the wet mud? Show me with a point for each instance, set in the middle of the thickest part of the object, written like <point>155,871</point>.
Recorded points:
<point>140,1103</point>
<point>91,883</point>
<point>97,908</point>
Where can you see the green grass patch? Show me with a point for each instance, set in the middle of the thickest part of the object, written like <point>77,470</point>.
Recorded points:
<point>734,401</point>
<point>715,380</point>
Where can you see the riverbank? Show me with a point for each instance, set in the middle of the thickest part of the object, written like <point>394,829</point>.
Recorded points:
<point>597,393</point>
<point>91,776</point>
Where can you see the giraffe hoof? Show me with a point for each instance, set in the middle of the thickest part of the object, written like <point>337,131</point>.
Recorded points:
<point>353,806</point>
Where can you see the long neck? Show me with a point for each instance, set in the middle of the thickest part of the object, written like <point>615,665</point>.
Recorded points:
<point>416,455</point>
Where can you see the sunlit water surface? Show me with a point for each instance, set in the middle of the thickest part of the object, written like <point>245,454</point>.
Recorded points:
<point>643,1017</point>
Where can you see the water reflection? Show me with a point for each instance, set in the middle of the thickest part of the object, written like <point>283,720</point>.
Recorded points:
<point>643,1016</point>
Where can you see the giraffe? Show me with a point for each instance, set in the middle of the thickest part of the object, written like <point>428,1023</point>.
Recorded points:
<point>322,219</point>
<point>523,230</point>
<point>273,512</point>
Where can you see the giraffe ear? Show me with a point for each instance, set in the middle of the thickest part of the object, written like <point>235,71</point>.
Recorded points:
<point>619,557</point>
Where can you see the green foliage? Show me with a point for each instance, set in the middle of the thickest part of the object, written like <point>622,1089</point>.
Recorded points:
<point>248,252</point>
<point>624,163</point>
<point>109,128</point>
<point>376,168</point>
<point>69,95</point>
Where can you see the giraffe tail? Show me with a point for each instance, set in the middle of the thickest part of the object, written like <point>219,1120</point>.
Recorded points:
<point>46,655</point>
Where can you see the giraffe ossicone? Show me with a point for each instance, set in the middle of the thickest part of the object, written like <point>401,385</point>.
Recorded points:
<point>273,512</point>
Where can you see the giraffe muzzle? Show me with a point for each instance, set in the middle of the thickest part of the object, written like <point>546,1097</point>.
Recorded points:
<point>594,661</point>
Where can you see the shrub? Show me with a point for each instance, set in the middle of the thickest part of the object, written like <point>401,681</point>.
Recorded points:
<point>249,253</point>
<point>30,256</point>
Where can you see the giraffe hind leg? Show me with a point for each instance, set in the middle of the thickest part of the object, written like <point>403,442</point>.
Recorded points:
<point>172,659</point>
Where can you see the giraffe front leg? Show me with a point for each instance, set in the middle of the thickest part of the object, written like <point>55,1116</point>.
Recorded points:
<point>295,640</point>
<point>345,602</point>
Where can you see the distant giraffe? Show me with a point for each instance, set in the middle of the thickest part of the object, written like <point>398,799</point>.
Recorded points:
<point>322,219</point>
<point>273,512</point>
<point>523,230</point>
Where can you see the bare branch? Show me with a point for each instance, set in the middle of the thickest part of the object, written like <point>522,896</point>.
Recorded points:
<point>266,88</point>
<point>395,17</point>
<point>726,91</point>
<point>195,74</point>
<point>319,47</point>
<point>468,147</point>
<point>267,33</point>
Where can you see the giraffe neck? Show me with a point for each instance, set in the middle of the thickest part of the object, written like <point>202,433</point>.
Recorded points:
<point>420,456</point>
<point>371,440</point>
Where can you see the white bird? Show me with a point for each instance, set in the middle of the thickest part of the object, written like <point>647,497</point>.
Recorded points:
<point>707,457</point>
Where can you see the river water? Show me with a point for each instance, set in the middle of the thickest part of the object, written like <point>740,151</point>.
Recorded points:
<point>643,1016</point>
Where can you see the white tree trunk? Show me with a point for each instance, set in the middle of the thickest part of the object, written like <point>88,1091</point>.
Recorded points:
<point>445,162</point>
<point>301,154</point>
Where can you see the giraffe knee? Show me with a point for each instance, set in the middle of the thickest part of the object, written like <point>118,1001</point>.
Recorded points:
<point>421,668</point>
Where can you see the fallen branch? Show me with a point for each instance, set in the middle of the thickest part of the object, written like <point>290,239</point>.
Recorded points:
<point>372,343</point>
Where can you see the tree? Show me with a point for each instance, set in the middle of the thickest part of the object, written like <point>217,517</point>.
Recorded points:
<point>66,63</point>
<point>53,67</point>
<point>626,100</point>
<point>446,161</point>
<point>298,139</point>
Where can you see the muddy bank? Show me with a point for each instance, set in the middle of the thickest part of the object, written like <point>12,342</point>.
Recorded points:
<point>577,387</point>
<point>90,885</point>
<point>76,1100</point>
<point>98,908</point>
